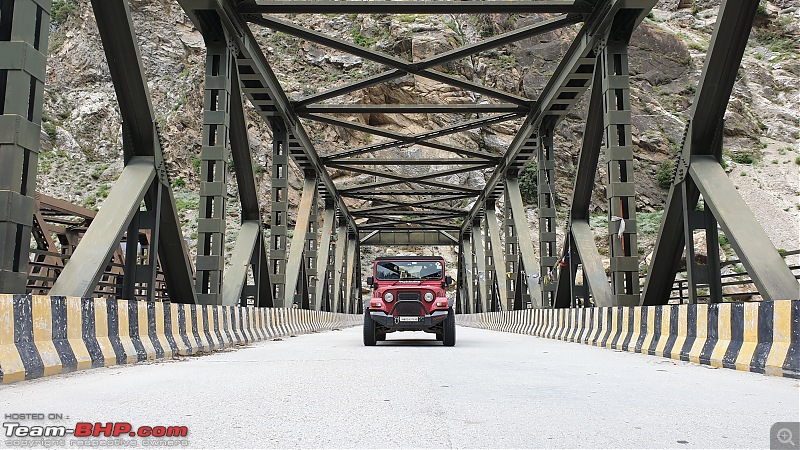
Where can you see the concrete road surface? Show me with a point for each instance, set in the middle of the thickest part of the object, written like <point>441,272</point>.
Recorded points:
<point>492,390</point>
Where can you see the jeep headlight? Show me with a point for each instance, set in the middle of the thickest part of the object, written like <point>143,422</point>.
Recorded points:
<point>388,296</point>
<point>429,296</point>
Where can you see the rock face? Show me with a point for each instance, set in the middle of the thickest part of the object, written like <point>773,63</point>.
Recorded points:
<point>81,140</point>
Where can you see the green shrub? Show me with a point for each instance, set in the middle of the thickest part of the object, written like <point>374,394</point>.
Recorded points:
<point>665,173</point>
<point>528,183</point>
<point>744,157</point>
<point>179,183</point>
<point>61,10</point>
<point>797,160</point>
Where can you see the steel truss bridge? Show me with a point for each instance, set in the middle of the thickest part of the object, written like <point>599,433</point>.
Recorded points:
<point>320,269</point>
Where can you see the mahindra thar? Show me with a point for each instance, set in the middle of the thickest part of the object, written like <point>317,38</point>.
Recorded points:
<point>408,294</point>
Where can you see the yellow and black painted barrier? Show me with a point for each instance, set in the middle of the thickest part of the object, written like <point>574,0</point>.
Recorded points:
<point>762,337</point>
<point>41,336</point>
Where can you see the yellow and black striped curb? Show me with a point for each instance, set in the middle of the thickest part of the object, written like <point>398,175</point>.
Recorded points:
<point>757,337</point>
<point>42,336</point>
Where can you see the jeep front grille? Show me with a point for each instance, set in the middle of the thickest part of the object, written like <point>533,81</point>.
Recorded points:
<point>408,296</point>
<point>409,308</point>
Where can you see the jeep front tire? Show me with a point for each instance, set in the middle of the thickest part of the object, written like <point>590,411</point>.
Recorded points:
<point>370,335</point>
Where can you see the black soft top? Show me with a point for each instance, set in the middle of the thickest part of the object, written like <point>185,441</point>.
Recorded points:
<point>409,258</point>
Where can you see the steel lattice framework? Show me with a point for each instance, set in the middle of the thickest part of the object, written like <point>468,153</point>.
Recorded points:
<point>498,266</point>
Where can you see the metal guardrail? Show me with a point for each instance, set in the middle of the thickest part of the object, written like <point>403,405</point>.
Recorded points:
<point>680,288</point>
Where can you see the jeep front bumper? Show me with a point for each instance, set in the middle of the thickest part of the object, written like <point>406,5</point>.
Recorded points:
<point>408,323</point>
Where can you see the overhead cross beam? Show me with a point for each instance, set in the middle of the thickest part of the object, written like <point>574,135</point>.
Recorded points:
<point>387,60</point>
<point>452,55</point>
<point>422,139</point>
<point>416,7</point>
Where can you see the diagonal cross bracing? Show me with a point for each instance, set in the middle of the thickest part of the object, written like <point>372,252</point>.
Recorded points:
<point>452,55</point>
<point>387,60</point>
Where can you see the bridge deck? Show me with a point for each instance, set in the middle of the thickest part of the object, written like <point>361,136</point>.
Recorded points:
<point>492,390</point>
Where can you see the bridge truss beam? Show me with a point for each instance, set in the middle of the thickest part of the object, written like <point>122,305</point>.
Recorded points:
<point>699,172</point>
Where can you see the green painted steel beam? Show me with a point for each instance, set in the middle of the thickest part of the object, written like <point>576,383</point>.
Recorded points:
<point>236,276</point>
<point>525,240</point>
<point>764,264</point>
<point>102,238</point>
<point>493,229</point>
<point>385,59</point>
<point>456,108</point>
<point>296,249</point>
<point>323,276</point>
<point>452,55</point>
<point>593,270</point>
<point>416,7</point>
<point>724,56</point>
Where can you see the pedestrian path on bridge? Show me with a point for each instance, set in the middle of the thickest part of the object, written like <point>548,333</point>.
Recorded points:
<point>493,390</point>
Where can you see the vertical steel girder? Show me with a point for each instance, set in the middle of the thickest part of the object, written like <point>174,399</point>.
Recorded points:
<point>141,261</point>
<point>469,273</point>
<point>295,282</point>
<point>481,300</point>
<point>525,241</point>
<point>323,272</point>
<point>620,185</point>
<point>339,266</point>
<point>513,291</point>
<point>214,173</point>
<point>261,290</point>
<point>702,146</point>
<point>103,236</point>
<point>24,31</point>
<point>279,213</point>
<point>352,242</point>
<point>490,275</point>
<point>498,260</point>
<point>311,251</point>
<point>548,258</point>
<point>581,247</point>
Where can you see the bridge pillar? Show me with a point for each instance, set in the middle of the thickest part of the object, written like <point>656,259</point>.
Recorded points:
<point>24,30</point>
<point>620,185</point>
<point>548,258</point>
<point>279,215</point>
<point>214,173</point>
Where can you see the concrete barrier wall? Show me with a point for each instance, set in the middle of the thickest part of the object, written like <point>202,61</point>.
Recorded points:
<point>757,337</point>
<point>41,336</point>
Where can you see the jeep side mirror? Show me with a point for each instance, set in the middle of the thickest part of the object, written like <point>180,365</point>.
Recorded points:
<point>370,281</point>
<point>448,280</point>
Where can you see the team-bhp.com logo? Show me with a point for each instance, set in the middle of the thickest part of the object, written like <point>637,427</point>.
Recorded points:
<point>116,434</point>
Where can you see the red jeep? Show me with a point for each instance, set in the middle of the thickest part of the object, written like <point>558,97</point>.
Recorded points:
<point>409,295</point>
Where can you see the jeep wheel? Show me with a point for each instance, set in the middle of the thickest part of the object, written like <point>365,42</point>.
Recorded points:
<point>369,330</point>
<point>380,337</point>
<point>449,335</point>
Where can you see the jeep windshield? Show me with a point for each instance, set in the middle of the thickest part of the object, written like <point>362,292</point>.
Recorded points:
<point>408,270</point>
